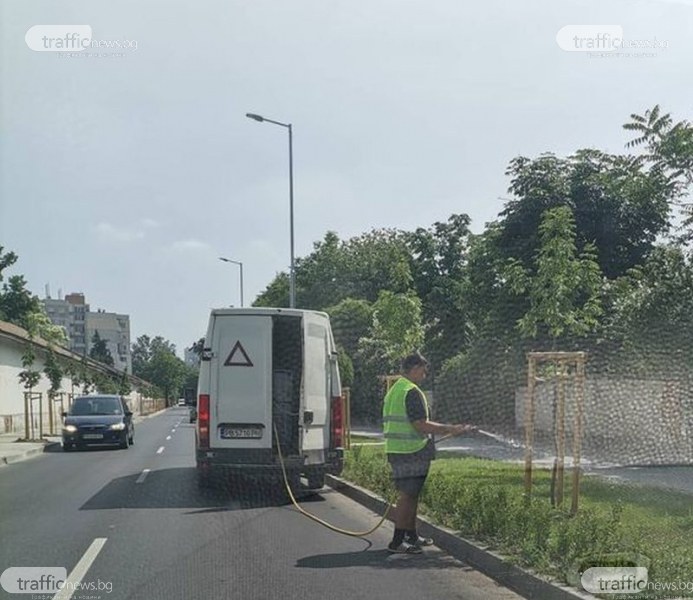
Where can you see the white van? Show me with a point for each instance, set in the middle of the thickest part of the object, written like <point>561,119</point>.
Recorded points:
<point>264,369</point>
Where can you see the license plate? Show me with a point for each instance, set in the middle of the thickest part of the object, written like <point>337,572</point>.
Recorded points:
<point>93,436</point>
<point>241,433</point>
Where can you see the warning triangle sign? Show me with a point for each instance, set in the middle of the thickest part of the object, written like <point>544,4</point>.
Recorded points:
<point>234,361</point>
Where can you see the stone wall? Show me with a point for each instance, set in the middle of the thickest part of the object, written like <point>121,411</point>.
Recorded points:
<point>625,421</point>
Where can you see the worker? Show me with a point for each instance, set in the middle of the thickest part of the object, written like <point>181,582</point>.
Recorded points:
<point>409,445</point>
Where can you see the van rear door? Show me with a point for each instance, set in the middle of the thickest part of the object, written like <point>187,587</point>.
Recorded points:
<point>241,395</point>
<point>316,382</point>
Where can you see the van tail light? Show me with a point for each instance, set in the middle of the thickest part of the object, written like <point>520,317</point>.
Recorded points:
<point>337,437</point>
<point>203,419</point>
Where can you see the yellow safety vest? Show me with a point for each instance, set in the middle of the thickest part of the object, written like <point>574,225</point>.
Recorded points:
<point>400,435</point>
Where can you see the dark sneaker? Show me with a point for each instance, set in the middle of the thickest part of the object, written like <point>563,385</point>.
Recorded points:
<point>420,541</point>
<point>404,548</point>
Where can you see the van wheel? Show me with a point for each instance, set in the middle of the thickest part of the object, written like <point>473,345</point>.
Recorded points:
<point>316,479</point>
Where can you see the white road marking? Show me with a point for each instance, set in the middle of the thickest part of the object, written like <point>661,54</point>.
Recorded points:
<point>142,476</point>
<point>173,431</point>
<point>160,450</point>
<point>80,570</point>
<point>168,437</point>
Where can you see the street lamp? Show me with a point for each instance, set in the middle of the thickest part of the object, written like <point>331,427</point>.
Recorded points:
<point>240,264</point>
<point>292,274</point>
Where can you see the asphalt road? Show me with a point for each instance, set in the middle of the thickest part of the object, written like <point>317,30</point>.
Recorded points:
<point>134,521</point>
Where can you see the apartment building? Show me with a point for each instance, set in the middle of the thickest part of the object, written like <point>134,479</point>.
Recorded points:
<point>80,323</point>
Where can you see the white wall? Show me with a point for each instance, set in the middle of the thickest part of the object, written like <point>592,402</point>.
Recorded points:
<point>12,391</point>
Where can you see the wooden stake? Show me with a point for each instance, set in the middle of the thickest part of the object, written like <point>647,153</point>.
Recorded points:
<point>529,426</point>
<point>560,433</point>
<point>577,432</point>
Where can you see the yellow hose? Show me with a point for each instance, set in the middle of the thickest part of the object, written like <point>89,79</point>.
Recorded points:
<point>318,519</point>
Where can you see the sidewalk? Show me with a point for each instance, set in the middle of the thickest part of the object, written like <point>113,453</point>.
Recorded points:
<point>12,450</point>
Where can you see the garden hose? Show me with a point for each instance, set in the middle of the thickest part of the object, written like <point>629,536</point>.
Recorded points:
<point>318,519</point>
<point>325,523</point>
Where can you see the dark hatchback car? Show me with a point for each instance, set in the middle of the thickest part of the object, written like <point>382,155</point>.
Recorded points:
<point>98,420</point>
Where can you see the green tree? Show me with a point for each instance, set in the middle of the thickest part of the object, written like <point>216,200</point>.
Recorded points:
<point>29,377</point>
<point>651,317</point>
<point>319,276</point>
<point>104,383</point>
<point>86,376</point>
<point>346,368</point>
<point>155,360</point>
<point>99,350</point>
<point>397,329</point>
<point>361,268</point>
<point>564,288</point>
<point>351,320</point>
<point>40,325</point>
<point>20,307</point>
<point>618,205</point>
<point>141,355</point>
<point>124,385</point>
<point>276,294</point>
<point>167,372</point>
<point>54,372</point>
<point>190,378</point>
<point>438,262</point>
<point>669,153</point>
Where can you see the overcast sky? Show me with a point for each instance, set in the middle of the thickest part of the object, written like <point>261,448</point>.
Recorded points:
<point>125,177</point>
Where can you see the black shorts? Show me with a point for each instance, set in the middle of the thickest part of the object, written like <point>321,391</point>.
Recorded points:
<point>409,471</point>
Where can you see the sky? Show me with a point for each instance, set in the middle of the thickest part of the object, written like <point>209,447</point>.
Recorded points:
<point>126,172</point>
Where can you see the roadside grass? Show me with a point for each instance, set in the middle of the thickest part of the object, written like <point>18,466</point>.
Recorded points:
<point>484,500</point>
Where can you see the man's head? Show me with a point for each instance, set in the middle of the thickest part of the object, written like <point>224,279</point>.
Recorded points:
<point>415,367</point>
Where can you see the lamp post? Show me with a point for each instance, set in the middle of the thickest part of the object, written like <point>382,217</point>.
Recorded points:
<point>240,264</point>
<point>292,274</point>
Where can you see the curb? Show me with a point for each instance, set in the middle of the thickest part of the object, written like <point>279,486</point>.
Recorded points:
<point>15,458</point>
<point>522,582</point>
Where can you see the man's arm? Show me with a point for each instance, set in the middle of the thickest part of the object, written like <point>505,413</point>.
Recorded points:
<point>417,415</point>
<point>426,427</point>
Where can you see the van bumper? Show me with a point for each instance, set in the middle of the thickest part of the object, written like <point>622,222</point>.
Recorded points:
<point>246,461</point>
<point>243,461</point>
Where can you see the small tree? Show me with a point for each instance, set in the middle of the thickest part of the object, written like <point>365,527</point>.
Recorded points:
<point>29,378</point>
<point>563,291</point>
<point>86,380</point>
<point>564,288</point>
<point>104,383</point>
<point>124,385</point>
<point>99,350</point>
<point>54,372</point>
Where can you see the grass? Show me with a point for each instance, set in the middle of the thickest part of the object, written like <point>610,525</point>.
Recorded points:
<point>485,500</point>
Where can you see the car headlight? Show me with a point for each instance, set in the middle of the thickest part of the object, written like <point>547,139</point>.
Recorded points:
<point>69,428</point>
<point>118,426</point>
